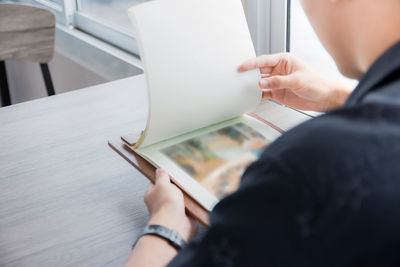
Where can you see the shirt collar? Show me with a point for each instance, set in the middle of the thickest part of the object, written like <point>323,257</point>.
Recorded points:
<point>381,69</point>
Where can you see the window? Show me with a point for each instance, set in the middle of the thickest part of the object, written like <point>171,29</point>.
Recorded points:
<point>267,22</point>
<point>108,21</point>
<point>59,2</point>
<point>109,11</point>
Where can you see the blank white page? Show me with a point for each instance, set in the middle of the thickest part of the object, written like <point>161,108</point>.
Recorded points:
<point>191,50</point>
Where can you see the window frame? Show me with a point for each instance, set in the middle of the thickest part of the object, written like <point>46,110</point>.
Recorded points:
<point>112,34</point>
<point>59,10</point>
<point>268,21</point>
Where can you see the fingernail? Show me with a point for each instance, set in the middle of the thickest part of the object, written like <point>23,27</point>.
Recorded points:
<point>264,83</point>
<point>158,171</point>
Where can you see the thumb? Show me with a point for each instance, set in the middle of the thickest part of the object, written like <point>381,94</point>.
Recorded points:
<point>279,82</point>
<point>161,177</point>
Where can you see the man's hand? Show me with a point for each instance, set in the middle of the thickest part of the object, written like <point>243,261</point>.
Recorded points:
<point>289,81</point>
<point>166,206</point>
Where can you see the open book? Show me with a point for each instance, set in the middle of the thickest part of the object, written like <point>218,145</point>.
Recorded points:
<point>197,128</point>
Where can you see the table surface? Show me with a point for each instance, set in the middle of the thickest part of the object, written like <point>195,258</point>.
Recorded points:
<point>67,199</point>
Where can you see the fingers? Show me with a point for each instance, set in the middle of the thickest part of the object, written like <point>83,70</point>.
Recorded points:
<point>280,82</point>
<point>265,62</point>
<point>161,177</point>
<point>266,70</point>
<point>161,181</point>
<point>266,94</point>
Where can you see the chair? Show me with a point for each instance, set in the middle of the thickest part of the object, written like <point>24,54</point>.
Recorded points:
<point>26,33</point>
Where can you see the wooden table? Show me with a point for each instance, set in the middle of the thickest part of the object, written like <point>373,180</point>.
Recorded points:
<point>67,199</point>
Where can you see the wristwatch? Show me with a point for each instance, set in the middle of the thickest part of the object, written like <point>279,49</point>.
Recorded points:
<point>172,236</point>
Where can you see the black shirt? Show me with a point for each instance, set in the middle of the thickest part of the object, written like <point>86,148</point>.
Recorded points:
<point>326,193</point>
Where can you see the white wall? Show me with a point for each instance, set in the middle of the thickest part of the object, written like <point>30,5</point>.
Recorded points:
<point>26,81</point>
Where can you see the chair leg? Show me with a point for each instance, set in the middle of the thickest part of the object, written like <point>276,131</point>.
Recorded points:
<point>47,79</point>
<point>4,91</point>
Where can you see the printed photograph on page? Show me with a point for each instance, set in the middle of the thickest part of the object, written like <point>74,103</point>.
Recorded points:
<point>218,159</point>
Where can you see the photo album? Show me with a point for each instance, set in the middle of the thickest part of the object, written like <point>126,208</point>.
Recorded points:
<point>198,127</point>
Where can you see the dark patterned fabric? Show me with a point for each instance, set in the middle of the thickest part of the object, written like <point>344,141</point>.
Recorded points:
<point>326,193</point>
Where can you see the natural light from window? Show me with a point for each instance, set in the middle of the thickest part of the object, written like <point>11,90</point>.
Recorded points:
<point>109,11</point>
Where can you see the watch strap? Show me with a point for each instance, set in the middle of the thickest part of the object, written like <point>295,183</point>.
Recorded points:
<point>172,236</point>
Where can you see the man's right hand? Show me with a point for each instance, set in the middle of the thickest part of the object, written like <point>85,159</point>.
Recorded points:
<point>287,80</point>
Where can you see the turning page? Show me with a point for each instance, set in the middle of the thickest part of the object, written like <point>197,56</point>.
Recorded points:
<point>191,50</point>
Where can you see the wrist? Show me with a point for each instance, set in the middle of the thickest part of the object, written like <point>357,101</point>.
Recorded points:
<point>338,96</point>
<point>176,222</point>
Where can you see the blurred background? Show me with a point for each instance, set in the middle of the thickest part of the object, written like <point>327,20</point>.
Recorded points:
<point>95,43</point>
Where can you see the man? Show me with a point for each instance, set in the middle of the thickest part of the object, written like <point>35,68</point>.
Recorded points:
<point>326,192</point>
